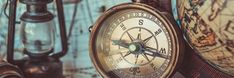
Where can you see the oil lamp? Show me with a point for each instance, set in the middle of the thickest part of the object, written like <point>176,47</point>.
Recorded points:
<point>37,35</point>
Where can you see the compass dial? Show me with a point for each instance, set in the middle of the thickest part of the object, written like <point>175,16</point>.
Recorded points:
<point>134,40</point>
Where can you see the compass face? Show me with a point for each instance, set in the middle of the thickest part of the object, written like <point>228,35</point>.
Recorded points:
<point>133,40</point>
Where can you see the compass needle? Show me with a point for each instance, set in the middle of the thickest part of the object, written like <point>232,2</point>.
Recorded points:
<point>154,52</point>
<point>121,43</point>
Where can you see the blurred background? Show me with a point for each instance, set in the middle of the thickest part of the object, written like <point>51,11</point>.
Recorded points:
<point>79,16</point>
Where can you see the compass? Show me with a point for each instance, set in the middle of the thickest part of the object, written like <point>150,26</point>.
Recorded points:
<point>135,40</point>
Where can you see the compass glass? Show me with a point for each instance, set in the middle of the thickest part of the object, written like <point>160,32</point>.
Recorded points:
<point>133,42</point>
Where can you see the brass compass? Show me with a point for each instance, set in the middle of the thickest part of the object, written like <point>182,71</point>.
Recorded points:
<point>135,40</point>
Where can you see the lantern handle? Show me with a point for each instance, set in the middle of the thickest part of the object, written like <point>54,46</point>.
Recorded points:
<point>62,27</point>
<point>11,31</point>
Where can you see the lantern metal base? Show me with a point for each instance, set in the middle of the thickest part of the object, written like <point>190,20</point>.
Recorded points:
<point>45,68</point>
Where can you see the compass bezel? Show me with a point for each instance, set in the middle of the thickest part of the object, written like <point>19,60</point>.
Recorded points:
<point>170,25</point>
